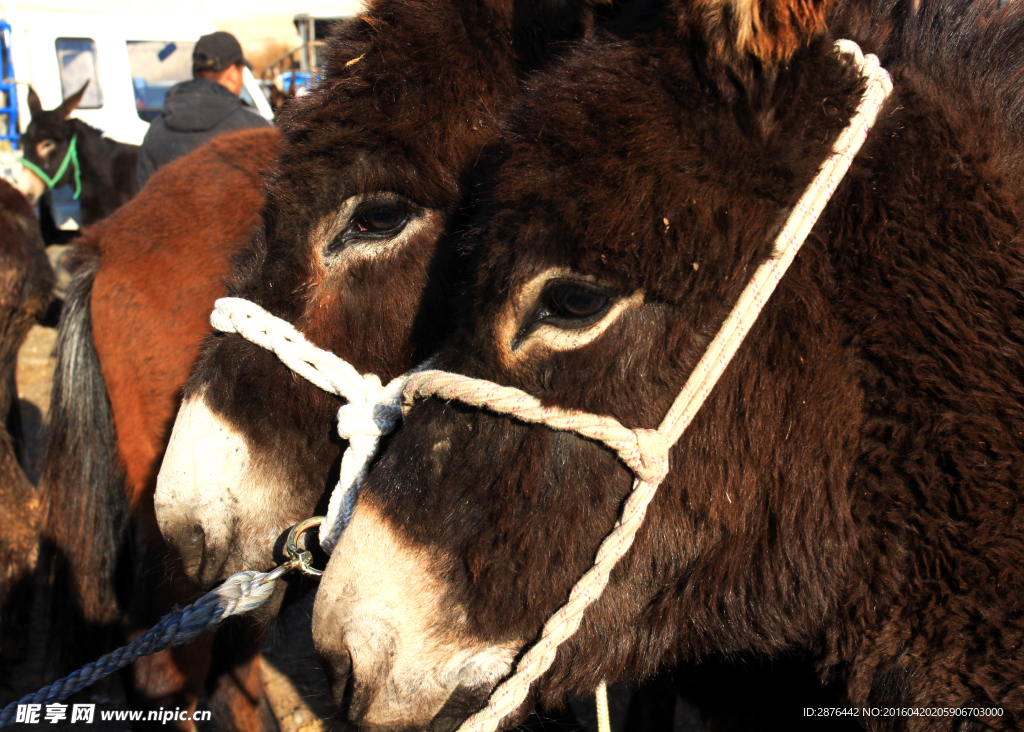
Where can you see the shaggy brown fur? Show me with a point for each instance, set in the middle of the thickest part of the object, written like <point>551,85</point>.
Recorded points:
<point>852,488</point>
<point>410,94</point>
<point>415,112</point>
<point>771,31</point>
<point>137,311</point>
<point>26,280</point>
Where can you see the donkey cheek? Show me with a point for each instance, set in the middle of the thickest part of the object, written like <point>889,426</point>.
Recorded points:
<point>30,185</point>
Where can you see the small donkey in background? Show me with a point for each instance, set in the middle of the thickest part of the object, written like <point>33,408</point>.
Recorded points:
<point>64,151</point>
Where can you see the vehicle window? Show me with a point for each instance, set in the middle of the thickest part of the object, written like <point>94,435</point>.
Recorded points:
<point>156,66</point>
<point>78,62</point>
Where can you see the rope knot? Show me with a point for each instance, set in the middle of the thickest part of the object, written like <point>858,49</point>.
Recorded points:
<point>375,415</point>
<point>368,419</point>
<point>651,463</point>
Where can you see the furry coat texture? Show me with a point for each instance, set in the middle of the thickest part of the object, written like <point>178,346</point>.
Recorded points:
<point>26,282</point>
<point>852,490</point>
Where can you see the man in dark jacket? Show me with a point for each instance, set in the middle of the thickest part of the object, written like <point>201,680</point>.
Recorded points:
<point>196,111</point>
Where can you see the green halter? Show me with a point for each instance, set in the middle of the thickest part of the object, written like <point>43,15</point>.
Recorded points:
<point>71,157</point>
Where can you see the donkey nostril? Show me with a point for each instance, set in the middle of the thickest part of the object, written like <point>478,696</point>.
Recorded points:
<point>198,558</point>
<point>190,544</point>
<point>337,664</point>
<point>196,539</point>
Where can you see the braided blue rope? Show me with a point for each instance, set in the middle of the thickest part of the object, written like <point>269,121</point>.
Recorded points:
<point>239,594</point>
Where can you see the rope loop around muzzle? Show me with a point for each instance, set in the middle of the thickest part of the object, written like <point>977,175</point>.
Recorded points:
<point>372,410</point>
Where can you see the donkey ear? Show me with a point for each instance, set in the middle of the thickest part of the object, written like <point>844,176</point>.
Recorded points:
<point>770,30</point>
<point>34,105</point>
<point>70,104</point>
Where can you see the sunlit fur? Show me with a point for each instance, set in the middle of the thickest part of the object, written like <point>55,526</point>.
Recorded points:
<point>410,95</point>
<point>851,491</point>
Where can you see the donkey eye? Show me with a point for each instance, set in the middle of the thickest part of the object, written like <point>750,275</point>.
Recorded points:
<point>572,302</point>
<point>377,219</point>
<point>381,220</point>
<point>45,147</point>
<point>573,305</point>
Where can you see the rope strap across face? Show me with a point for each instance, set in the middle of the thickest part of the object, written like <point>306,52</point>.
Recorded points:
<point>373,410</point>
<point>646,451</point>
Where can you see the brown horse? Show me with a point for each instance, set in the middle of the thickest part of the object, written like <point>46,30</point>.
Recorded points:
<point>852,488</point>
<point>26,280</point>
<point>135,315</point>
<point>70,152</point>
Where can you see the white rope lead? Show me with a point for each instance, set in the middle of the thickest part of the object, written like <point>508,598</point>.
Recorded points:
<point>604,721</point>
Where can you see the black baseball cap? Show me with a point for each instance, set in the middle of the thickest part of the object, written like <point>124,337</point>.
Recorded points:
<point>217,51</point>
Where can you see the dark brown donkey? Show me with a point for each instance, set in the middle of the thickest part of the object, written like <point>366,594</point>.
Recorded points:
<point>376,161</point>
<point>71,152</point>
<point>406,108</point>
<point>853,488</point>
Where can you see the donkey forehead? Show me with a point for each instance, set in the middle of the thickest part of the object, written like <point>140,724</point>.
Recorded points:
<point>317,187</point>
<point>627,184</point>
<point>47,124</point>
<point>354,135</point>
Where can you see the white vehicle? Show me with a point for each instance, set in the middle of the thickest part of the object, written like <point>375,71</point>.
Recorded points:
<point>129,59</point>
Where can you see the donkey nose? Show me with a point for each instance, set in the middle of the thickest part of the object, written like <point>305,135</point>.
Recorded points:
<point>201,562</point>
<point>191,548</point>
<point>202,478</point>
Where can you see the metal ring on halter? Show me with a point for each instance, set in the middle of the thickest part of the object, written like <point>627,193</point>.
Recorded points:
<point>302,559</point>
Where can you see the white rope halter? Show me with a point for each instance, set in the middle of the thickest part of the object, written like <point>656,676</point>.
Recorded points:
<point>646,451</point>
<point>374,410</point>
